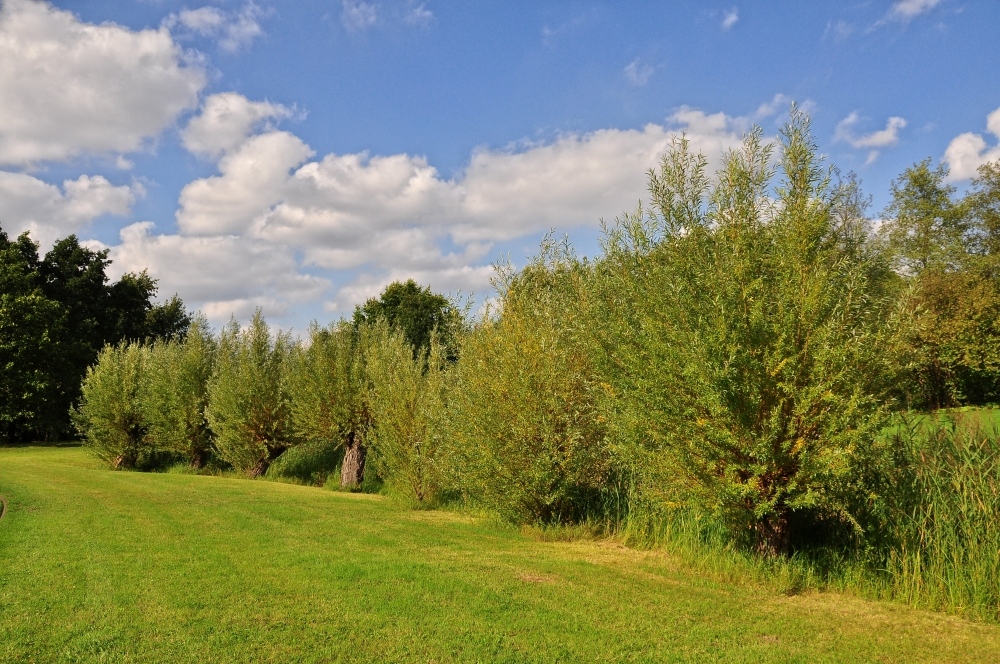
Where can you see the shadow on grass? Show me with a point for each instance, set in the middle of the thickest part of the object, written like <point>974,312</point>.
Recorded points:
<point>44,443</point>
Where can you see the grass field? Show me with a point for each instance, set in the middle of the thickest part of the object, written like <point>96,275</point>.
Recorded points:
<point>114,566</point>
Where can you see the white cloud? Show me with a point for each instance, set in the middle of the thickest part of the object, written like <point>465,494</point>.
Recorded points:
<point>50,213</point>
<point>69,87</point>
<point>638,73</point>
<point>730,17</point>
<point>967,152</point>
<point>780,102</point>
<point>357,15</point>
<point>395,216</point>
<point>906,10</point>
<point>225,122</point>
<point>235,31</point>
<point>252,179</point>
<point>875,141</point>
<point>221,275</point>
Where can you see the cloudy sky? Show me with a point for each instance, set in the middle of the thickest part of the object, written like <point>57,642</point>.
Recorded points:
<point>300,155</point>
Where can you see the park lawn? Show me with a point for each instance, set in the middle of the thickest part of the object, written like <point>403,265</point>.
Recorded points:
<point>109,566</point>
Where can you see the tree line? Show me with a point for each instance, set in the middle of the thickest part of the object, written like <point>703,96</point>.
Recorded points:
<point>56,313</point>
<point>741,351</point>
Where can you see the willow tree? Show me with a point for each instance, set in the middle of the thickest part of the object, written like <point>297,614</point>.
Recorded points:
<point>524,434</point>
<point>329,393</point>
<point>407,406</point>
<point>742,340</point>
<point>180,371</point>
<point>249,409</point>
<point>112,413</point>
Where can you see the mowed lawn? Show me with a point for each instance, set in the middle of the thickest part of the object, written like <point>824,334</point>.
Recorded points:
<point>115,566</point>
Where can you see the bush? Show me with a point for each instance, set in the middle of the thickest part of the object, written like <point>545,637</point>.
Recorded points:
<point>179,375</point>
<point>742,340</point>
<point>248,407</point>
<point>328,392</point>
<point>112,415</point>
<point>525,435</point>
<point>407,411</point>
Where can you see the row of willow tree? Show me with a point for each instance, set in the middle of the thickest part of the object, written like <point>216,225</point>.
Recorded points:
<point>56,313</point>
<point>737,349</point>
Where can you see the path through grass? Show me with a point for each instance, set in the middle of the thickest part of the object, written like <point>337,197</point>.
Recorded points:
<point>112,566</point>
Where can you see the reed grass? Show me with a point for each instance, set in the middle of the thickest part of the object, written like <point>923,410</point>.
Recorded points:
<point>945,516</point>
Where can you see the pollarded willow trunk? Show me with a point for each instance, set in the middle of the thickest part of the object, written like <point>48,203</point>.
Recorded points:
<point>125,461</point>
<point>259,468</point>
<point>774,535</point>
<point>198,458</point>
<point>352,473</point>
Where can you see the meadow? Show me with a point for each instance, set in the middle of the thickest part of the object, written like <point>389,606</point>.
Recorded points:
<point>124,566</point>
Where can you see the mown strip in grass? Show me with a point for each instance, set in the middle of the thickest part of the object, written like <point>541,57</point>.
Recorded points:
<point>118,566</point>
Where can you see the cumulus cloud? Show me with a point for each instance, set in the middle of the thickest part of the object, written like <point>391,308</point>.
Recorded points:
<point>226,121</point>
<point>49,213</point>
<point>396,216</point>
<point>875,141</point>
<point>252,179</point>
<point>222,275</point>
<point>234,31</point>
<point>637,72</point>
<point>730,17</point>
<point>418,14</point>
<point>69,87</point>
<point>904,11</point>
<point>967,152</point>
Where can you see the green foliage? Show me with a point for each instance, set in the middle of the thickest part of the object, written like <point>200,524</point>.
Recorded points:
<point>943,518</point>
<point>407,405</point>
<point>417,312</point>
<point>743,342</point>
<point>112,415</point>
<point>70,311</point>
<point>327,385</point>
<point>30,326</point>
<point>925,228</point>
<point>948,252</point>
<point>527,440</point>
<point>179,376</point>
<point>249,409</point>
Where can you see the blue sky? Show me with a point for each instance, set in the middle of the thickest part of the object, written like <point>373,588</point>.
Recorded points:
<point>300,155</point>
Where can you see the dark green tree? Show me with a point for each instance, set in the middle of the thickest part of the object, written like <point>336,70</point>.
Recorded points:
<point>60,311</point>
<point>417,312</point>
<point>30,325</point>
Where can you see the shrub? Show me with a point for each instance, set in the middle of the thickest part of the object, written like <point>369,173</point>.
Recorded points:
<point>248,406</point>
<point>328,393</point>
<point>407,412</point>
<point>525,435</point>
<point>742,339</point>
<point>111,414</point>
<point>179,375</point>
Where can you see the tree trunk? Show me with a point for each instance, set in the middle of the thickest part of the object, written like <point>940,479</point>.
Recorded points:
<point>198,459</point>
<point>774,536</point>
<point>125,461</point>
<point>352,473</point>
<point>259,468</point>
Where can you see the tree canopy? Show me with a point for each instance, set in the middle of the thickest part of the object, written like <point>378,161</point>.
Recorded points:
<point>56,314</point>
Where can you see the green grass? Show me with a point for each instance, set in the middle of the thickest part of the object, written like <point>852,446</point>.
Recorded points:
<point>98,565</point>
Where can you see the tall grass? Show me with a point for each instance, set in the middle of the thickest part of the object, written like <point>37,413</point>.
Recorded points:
<point>945,515</point>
